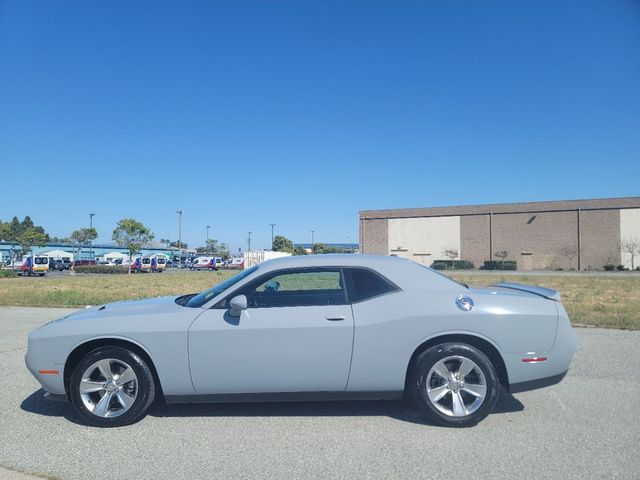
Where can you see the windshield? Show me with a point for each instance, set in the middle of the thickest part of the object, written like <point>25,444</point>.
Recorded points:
<point>207,295</point>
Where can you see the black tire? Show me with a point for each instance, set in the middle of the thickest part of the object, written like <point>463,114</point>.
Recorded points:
<point>145,393</point>
<point>453,352</point>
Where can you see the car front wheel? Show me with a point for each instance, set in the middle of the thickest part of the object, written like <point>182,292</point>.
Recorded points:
<point>111,387</point>
<point>454,385</point>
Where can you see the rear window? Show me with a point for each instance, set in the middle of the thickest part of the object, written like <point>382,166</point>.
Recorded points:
<point>41,261</point>
<point>364,284</point>
<point>146,261</point>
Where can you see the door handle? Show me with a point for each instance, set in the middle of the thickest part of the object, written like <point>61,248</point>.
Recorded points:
<point>335,319</point>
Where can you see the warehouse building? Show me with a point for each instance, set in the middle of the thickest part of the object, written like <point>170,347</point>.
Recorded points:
<point>571,234</point>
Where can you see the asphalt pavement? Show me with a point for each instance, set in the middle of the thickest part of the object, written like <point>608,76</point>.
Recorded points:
<point>586,427</point>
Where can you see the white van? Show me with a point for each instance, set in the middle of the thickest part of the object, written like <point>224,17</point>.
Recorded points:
<point>31,265</point>
<point>206,263</point>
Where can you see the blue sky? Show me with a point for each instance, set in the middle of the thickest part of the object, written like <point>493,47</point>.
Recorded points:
<point>303,113</point>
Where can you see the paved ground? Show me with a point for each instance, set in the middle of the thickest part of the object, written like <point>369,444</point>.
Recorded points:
<point>586,427</point>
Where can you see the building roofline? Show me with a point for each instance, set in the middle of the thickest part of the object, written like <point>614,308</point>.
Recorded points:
<point>504,208</point>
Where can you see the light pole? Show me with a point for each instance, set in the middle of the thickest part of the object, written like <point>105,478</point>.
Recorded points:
<point>91,215</point>
<point>207,244</point>
<point>272,225</point>
<point>180,212</point>
<point>249,241</point>
<point>312,242</point>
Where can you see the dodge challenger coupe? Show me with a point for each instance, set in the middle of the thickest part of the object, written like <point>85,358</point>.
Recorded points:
<point>310,327</point>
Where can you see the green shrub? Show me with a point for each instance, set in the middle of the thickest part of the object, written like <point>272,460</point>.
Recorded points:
<point>112,269</point>
<point>609,268</point>
<point>7,274</point>
<point>499,265</point>
<point>620,268</point>
<point>452,265</point>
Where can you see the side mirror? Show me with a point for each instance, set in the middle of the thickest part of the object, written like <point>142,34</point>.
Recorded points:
<point>237,304</point>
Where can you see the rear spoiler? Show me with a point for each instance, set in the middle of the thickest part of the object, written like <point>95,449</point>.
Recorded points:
<point>549,293</point>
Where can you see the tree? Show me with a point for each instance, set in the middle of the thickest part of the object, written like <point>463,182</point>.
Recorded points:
<point>132,235</point>
<point>299,250</point>
<point>322,248</point>
<point>82,237</point>
<point>570,252</point>
<point>451,254</point>
<point>30,238</point>
<point>282,244</point>
<point>213,247</point>
<point>632,247</point>
<point>224,252</point>
<point>176,244</point>
<point>25,234</point>
<point>502,254</point>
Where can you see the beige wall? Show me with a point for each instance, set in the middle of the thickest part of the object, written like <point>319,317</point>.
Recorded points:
<point>630,231</point>
<point>424,239</point>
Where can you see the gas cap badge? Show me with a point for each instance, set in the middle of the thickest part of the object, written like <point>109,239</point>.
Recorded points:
<point>464,303</point>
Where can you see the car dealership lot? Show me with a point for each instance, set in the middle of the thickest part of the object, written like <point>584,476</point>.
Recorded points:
<point>586,427</point>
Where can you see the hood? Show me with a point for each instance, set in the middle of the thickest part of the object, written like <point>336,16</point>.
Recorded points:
<point>129,308</point>
<point>527,289</point>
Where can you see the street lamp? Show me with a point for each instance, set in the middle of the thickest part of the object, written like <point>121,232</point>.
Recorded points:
<point>180,212</point>
<point>91,215</point>
<point>249,241</point>
<point>207,244</point>
<point>272,225</point>
<point>312,242</point>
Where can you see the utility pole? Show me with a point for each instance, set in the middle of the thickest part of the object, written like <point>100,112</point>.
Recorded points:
<point>312,242</point>
<point>91,215</point>
<point>180,212</point>
<point>272,225</point>
<point>249,241</point>
<point>207,244</point>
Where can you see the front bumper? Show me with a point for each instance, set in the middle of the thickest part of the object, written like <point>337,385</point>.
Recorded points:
<point>50,375</point>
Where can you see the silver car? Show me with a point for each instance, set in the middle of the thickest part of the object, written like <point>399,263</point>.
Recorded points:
<point>310,327</point>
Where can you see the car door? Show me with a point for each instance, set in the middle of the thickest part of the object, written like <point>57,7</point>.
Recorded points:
<point>295,336</point>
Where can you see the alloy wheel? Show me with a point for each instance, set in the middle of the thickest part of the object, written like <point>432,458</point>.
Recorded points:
<point>456,386</point>
<point>108,388</point>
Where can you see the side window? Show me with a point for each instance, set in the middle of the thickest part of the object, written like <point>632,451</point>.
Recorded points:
<point>296,288</point>
<point>364,284</point>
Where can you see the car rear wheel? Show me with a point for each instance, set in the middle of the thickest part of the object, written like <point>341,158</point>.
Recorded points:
<point>454,385</point>
<point>111,387</point>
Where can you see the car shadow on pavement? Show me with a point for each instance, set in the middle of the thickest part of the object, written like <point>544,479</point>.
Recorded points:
<point>397,409</point>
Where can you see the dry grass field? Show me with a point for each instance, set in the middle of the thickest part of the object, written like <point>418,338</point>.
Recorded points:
<point>80,290</point>
<point>604,301</point>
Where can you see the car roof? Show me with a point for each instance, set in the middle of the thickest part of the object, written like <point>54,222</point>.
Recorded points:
<point>332,260</point>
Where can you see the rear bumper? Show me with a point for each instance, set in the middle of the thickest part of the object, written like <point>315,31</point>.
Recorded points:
<point>538,383</point>
<point>529,376</point>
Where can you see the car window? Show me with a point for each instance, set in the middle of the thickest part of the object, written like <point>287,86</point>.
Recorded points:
<point>364,284</point>
<point>204,297</point>
<point>296,288</point>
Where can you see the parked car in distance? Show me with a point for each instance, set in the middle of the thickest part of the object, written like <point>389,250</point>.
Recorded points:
<point>80,263</point>
<point>314,327</point>
<point>55,264</point>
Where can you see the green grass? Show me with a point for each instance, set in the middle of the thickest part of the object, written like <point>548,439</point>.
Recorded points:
<point>603,301</point>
